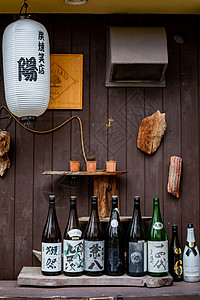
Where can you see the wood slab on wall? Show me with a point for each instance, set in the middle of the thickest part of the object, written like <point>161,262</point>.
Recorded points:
<point>24,190</point>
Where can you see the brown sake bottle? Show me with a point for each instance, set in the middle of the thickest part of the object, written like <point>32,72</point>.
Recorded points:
<point>51,243</point>
<point>73,243</point>
<point>94,243</point>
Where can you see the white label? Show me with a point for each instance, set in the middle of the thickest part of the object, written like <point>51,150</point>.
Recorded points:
<point>114,223</point>
<point>158,256</point>
<point>94,256</point>
<point>191,272</point>
<point>158,225</point>
<point>75,232</point>
<point>51,257</point>
<point>72,256</point>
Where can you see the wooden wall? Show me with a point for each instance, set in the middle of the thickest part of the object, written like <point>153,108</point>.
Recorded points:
<point>24,190</point>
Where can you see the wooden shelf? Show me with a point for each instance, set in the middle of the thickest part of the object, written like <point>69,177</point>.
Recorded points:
<point>33,276</point>
<point>85,173</point>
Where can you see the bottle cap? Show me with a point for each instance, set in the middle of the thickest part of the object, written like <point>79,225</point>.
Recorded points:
<point>190,225</point>
<point>137,199</point>
<point>114,199</point>
<point>94,199</point>
<point>156,200</point>
<point>52,199</point>
<point>73,199</point>
<point>174,227</point>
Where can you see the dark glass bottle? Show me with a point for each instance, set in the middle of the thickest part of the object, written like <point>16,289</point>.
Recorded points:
<point>175,256</point>
<point>51,243</point>
<point>114,243</point>
<point>94,243</point>
<point>73,243</point>
<point>137,245</point>
<point>157,244</point>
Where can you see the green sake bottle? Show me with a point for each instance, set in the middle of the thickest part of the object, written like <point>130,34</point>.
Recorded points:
<point>157,244</point>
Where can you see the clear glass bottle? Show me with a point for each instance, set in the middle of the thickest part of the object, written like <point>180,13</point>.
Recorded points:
<point>51,243</point>
<point>94,243</point>
<point>175,256</point>
<point>157,244</point>
<point>136,243</point>
<point>191,261</point>
<point>73,243</point>
<point>114,243</point>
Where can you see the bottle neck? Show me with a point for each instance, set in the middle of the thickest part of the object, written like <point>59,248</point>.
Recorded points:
<point>156,211</point>
<point>136,210</point>
<point>94,210</point>
<point>190,235</point>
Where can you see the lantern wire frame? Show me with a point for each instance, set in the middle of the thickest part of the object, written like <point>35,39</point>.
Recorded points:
<point>51,130</point>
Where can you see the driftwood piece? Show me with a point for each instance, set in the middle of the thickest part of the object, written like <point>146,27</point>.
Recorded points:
<point>4,148</point>
<point>33,276</point>
<point>151,132</point>
<point>174,178</point>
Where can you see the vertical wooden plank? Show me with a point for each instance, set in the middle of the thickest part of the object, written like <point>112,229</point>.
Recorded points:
<point>80,44</point>
<point>153,162</point>
<point>135,158</point>
<point>172,138</point>
<point>116,128</point>
<point>190,134</point>
<point>98,91</point>
<point>23,198</point>
<point>61,138</point>
<point>7,183</point>
<point>42,161</point>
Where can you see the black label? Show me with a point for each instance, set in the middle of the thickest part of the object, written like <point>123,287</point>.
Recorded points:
<point>137,257</point>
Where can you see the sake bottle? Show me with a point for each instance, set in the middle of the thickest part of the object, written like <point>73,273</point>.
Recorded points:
<point>191,257</point>
<point>114,243</point>
<point>175,256</point>
<point>157,244</point>
<point>137,245</point>
<point>73,243</point>
<point>51,243</point>
<point>94,243</point>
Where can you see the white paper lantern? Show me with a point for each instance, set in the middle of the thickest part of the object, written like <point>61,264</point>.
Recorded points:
<point>26,68</point>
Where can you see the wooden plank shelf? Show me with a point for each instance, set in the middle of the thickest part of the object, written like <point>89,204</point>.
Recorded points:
<point>85,173</point>
<point>105,184</point>
<point>32,276</point>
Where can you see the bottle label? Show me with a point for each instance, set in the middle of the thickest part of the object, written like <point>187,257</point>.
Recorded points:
<point>94,255</point>
<point>191,272</point>
<point>137,257</point>
<point>114,259</point>
<point>177,251</point>
<point>178,267</point>
<point>158,225</point>
<point>72,256</point>
<point>114,223</point>
<point>51,257</point>
<point>74,233</point>
<point>158,256</point>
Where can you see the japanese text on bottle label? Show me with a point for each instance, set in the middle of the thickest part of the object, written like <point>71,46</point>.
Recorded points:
<point>137,257</point>
<point>94,255</point>
<point>51,257</point>
<point>72,256</point>
<point>158,256</point>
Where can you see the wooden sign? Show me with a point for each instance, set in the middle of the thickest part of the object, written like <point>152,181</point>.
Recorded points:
<point>66,80</point>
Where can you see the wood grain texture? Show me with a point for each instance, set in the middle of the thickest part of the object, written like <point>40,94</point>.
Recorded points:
<point>24,190</point>
<point>33,276</point>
